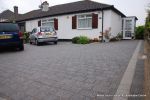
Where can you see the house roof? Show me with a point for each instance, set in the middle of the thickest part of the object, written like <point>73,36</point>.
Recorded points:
<point>69,8</point>
<point>7,14</point>
<point>132,17</point>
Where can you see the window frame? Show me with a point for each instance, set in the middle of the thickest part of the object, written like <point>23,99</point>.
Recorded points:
<point>34,30</point>
<point>129,21</point>
<point>85,17</point>
<point>50,20</point>
<point>129,33</point>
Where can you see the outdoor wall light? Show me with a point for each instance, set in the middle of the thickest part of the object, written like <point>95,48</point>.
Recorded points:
<point>100,17</point>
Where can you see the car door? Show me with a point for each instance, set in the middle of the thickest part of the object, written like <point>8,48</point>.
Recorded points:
<point>33,35</point>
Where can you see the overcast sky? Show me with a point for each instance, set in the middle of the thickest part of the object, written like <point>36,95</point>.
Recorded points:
<point>128,7</point>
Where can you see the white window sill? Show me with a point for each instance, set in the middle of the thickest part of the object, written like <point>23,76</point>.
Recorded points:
<point>84,28</point>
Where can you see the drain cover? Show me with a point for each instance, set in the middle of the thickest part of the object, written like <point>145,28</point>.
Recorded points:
<point>142,56</point>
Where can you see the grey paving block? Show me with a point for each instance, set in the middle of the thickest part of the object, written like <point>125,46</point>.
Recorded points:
<point>76,72</point>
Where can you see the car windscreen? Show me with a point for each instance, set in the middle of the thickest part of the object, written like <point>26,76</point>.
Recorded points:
<point>47,29</point>
<point>8,27</point>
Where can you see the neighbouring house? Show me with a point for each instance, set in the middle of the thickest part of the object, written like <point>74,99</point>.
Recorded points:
<point>88,18</point>
<point>6,15</point>
<point>9,16</point>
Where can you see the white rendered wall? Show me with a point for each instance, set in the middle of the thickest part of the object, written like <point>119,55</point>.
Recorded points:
<point>65,30</point>
<point>107,20</point>
<point>31,24</point>
<point>116,24</point>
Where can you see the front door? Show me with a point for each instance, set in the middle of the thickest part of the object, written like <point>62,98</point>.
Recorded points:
<point>127,35</point>
<point>22,26</point>
<point>127,30</point>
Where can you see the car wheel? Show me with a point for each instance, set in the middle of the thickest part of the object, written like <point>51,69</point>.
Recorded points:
<point>55,42</point>
<point>36,42</point>
<point>21,48</point>
<point>30,42</point>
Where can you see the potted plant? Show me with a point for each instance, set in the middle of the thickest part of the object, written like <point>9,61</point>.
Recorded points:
<point>107,35</point>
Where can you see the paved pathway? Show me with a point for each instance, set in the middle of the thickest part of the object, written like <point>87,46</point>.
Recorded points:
<point>65,71</point>
<point>124,88</point>
<point>137,87</point>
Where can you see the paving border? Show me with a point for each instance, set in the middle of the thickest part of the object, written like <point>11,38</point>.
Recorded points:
<point>147,71</point>
<point>137,87</point>
<point>125,84</point>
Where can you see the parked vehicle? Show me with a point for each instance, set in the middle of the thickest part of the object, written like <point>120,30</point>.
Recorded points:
<point>11,36</point>
<point>43,34</point>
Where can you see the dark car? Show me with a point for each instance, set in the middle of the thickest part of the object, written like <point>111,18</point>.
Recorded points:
<point>10,36</point>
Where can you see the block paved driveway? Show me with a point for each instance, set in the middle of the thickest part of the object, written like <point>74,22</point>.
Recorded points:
<point>65,71</point>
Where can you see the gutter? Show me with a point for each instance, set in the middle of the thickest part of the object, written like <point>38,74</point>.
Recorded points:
<point>102,25</point>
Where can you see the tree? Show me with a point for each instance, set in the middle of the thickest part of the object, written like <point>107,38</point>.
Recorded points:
<point>139,33</point>
<point>147,24</point>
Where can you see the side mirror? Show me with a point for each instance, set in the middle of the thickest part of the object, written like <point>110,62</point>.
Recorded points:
<point>30,32</point>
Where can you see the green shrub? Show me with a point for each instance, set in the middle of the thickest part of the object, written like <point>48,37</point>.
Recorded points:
<point>113,39</point>
<point>81,40</point>
<point>139,33</point>
<point>119,36</point>
<point>75,39</point>
<point>116,38</point>
<point>26,37</point>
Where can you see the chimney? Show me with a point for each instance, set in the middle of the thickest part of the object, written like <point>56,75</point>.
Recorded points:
<point>16,10</point>
<point>45,6</point>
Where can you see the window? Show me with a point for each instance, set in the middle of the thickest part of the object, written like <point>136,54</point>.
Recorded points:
<point>34,30</point>
<point>128,34</point>
<point>84,21</point>
<point>47,29</point>
<point>3,20</point>
<point>48,23</point>
<point>128,25</point>
<point>8,27</point>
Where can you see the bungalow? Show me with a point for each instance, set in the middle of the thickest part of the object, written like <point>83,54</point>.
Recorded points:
<point>6,15</point>
<point>88,18</point>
